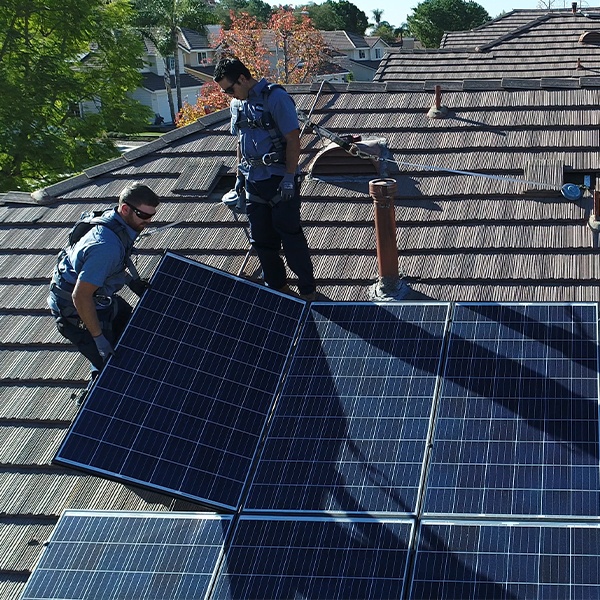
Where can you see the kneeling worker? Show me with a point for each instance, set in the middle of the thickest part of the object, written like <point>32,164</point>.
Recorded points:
<point>83,298</point>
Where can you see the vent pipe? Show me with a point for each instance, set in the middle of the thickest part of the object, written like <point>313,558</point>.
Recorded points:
<point>574,7</point>
<point>389,285</point>
<point>437,111</point>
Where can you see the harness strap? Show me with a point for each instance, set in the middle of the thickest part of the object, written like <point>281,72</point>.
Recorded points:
<point>267,123</point>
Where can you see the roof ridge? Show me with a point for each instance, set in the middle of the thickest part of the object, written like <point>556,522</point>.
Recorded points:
<point>514,33</point>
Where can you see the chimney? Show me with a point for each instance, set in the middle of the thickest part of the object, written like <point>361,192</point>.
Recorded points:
<point>437,111</point>
<point>389,285</point>
<point>574,7</point>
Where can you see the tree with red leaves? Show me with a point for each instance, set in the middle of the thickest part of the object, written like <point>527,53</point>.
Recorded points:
<point>297,55</point>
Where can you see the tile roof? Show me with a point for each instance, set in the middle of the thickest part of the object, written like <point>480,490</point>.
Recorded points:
<point>459,238</point>
<point>496,28</point>
<point>345,40</point>
<point>519,53</point>
<point>154,82</point>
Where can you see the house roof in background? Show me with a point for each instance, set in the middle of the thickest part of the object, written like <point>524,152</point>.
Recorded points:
<point>193,40</point>
<point>154,82</point>
<point>345,40</point>
<point>459,237</point>
<point>521,53</point>
<point>496,28</point>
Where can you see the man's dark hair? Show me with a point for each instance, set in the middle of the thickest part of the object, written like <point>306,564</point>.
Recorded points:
<point>230,68</point>
<point>138,194</point>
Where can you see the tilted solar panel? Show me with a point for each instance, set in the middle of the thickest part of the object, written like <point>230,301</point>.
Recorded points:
<point>349,432</point>
<point>182,405</point>
<point>490,560</point>
<point>129,556</point>
<point>322,557</point>
<point>517,425</point>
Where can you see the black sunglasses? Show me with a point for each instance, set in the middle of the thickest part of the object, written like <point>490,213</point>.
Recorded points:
<point>140,213</point>
<point>229,91</point>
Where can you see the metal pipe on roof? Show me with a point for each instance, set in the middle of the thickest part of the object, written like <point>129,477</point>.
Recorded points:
<point>383,191</point>
<point>389,286</point>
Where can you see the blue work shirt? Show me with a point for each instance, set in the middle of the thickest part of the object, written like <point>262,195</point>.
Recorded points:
<point>97,258</point>
<point>256,142</point>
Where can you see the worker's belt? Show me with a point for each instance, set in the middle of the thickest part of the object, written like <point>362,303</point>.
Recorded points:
<point>276,199</point>
<point>264,161</point>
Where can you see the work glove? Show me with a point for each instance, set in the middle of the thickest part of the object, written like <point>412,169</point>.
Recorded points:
<point>240,184</point>
<point>287,187</point>
<point>104,347</point>
<point>139,286</point>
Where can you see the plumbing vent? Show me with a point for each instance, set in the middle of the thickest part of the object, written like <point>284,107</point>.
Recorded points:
<point>437,111</point>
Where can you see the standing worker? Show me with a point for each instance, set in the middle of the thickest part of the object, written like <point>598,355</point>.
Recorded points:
<point>83,298</point>
<point>263,116</point>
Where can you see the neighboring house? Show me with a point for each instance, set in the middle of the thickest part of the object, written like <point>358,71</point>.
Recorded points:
<point>359,54</point>
<point>152,92</point>
<point>522,53</point>
<point>199,51</point>
<point>459,237</point>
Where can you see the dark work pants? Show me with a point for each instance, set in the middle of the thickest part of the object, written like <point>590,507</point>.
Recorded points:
<point>274,227</point>
<point>112,328</point>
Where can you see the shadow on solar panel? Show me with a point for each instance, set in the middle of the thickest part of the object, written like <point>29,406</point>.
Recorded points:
<point>517,426</point>
<point>350,429</point>
<point>182,405</point>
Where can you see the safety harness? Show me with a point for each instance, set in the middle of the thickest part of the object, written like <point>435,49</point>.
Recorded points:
<point>63,289</point>
<point>266,122</point>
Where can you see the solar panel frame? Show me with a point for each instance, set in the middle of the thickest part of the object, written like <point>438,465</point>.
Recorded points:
<point>488,559</point>
<point>338,558</point>
<point>122,555</point>
<point>182,406</point>
<point>516,431</point>
<point>350,429</point>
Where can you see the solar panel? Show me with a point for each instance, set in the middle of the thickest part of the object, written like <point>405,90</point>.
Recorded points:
<point>182,405</point>
<point>326,557</point>
<point>517,426</point>
<point>129,555</point>
<point>349,432</point>
<point>507,560</point>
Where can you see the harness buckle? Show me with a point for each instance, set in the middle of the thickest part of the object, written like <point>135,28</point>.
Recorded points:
<point>269,158</point>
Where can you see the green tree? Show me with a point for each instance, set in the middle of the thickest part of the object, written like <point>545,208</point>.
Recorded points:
<point>377,14</point>
<point>334,15</point>
<point>386,32</point>
<point>161,21</point>
<point>431,18</point>
<point>258,9</point>
<point>56,55</point>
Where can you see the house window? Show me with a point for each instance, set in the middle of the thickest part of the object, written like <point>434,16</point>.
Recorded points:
<point>377,52</point>
<point>361,54</point>
<point>171,63</point>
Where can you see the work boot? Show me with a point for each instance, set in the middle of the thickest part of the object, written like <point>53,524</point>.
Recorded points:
<point>309,297</point>
<point>286,289</point>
